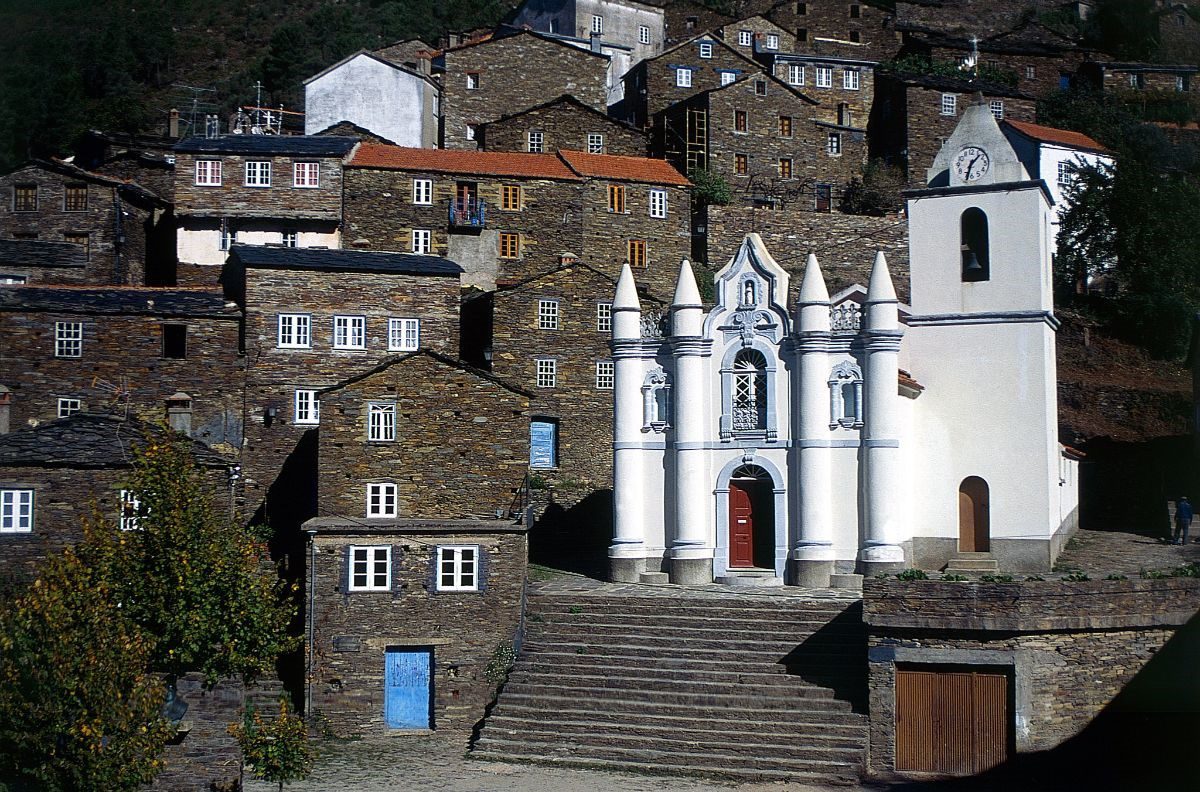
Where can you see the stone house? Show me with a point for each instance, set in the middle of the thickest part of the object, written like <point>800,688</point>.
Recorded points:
<point>55,475</point>
<point>255,189</point>
<point>314,318</point>
<point>121,226</point>
<point>1125,76</point>
<point>413,53</point>
<point>504,215</point>
<point>146,160</point>
<point>161,354</point>
<point>968,17</point>
<point>915,115</point>
<point>34,262</point>
<point>759,134</point>
<point>821,25</point>
<point>396,102</point>
<point>562,123</point>
<point>417,581</point>
<point>845,87</point>
<point>756,34</point>
<point>687,18</point>
<point>478,84</point>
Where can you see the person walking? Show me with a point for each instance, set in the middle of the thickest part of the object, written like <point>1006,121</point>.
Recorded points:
<point>1183,520</point>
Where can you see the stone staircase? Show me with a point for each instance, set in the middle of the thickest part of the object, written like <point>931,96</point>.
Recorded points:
<point>745,686</point>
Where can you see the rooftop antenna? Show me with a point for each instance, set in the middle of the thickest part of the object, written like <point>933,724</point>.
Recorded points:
<point>196,91</point>
<point>971,62</point>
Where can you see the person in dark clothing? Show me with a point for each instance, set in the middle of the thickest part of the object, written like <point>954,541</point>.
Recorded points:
<point>1183,520</point>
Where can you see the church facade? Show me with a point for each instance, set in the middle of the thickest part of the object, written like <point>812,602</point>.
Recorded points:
<point>762,440</point>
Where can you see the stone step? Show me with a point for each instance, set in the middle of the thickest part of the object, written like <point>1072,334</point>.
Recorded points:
<point>768,685</point>
<point>655,726</point>
<point>533,707</point>
<point>801,622</point>
<point>668,698</point>
<point>958,564</point>
<point>717,671</point>
<point>666,768</point>
<point>747,650</point>
<point>839,580</point>
<point>654,578</point>
<point>811,658</point>
<point>750,580</point>
<point>747,745</point>
<point>649,758</point>
<point>748,603</point>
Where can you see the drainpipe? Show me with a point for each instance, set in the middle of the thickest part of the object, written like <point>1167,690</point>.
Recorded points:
<point>312,584</point>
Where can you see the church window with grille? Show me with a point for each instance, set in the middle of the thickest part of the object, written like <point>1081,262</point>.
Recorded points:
<point>749,391</point>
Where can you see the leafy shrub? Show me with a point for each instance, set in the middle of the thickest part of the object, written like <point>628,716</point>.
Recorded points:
<point>1076,577</point>
<point>1033,578</point>
<point>1116,577</point>
<point>501,663</point>
<point>912,574</point>
<point>953,578</point>
<point>276,750</point>
<point>996,578</point>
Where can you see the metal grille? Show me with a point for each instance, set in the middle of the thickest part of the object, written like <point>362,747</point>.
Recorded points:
<point>951,721</point>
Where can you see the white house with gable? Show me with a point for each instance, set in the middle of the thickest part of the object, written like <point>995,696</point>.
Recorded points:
<point>762,442</point>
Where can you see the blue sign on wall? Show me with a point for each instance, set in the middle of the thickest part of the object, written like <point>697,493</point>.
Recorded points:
<point>543,444</point>
<point>407,691</point>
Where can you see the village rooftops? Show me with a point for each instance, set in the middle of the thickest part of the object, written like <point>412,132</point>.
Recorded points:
<point>129,189</point>
<point>438,357</point>
<point>39,253</point>
<point>338,260</point>
<point>92,440</point>
<point>564,166</point>
<point>281,145</point>
<point>963,85</point>
<point>1058,137</point>
<point>126,300</point>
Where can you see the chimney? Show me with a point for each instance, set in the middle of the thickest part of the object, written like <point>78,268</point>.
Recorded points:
<point>453,40</point>
<point>595,42</point>
<point>173,124</point>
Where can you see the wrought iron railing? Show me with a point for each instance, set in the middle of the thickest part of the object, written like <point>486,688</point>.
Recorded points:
<point>470,212</point>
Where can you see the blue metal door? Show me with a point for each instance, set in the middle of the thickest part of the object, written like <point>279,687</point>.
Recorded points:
<point>407,692</point>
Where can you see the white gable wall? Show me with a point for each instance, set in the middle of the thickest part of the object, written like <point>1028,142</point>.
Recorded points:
<point>389,101</point>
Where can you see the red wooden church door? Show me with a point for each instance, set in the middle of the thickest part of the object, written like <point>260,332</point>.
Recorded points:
<point>741,524</point>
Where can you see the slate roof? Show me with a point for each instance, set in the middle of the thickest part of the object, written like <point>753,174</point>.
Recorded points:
<point>284,145</point>
<point>90,440</point>
<point>445,360</point>
<point>259,257</point>
<point>611,166</point>
<point>38,253</point>
<point>494,163</point>
<point>117,300</point>
<point>128,189</point>
<point>565,100</point>
<point>1062,137</point>
<point>966,86</point>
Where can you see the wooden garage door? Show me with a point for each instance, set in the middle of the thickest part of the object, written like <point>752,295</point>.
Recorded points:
<point>951,721</point>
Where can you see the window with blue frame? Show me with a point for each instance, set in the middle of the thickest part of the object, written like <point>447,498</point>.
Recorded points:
<point>543,443</point>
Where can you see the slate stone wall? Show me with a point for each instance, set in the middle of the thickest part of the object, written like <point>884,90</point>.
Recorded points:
<point>563,126</point>
<point>858,101</point>
<point>462,629</point>
<point>122,264</point>
<point>125,353</point>
<point>832,19</point>
<point>845,245</point>
<point>461,447</point>
<point>281,200</point>
<point>657,77</point>
<point>274,373</point>
<point>1072,646</point>
<point>759,27</point>
<point>561,70</point>
<point>1047,69</point>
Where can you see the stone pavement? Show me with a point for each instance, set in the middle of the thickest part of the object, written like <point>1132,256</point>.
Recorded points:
<point>429,763</point>
<point>1100,553</point>
<point>570,583</point>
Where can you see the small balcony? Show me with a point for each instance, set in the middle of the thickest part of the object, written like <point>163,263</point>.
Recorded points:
<point>467,213</point>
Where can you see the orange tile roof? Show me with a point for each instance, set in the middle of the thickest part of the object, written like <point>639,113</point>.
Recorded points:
<point>611,166</point>
<point>491,163</point>
<point>1063,137</point>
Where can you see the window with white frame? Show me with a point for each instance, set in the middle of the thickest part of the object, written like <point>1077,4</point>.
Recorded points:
<point>749,393</point>
<point>997,108</point>
<point>404,335</point>
<point>306,174</point>
<point>772,41</point>
<point>595,143</point>
<point>824,77</point>
<point>472,81</point>
<point>295,331</point>
<point>727,77</point>
<point>68,339</point>
<point>658,203</point>
<point>422,240</point>
<point>381,500</point>
<point>597,23</point>
<point>1030,72</point>
<point>228,236</point>
<point>547,373</point>
<point>370,568</point>
<point>16,510</point>
<point>547,314</point>
<point>1066,174</point>
<point>208,173</point>
<point>258,173</point>
<point>850,79</point>
<point>705,49</point>
<point>643,34</point>
<point>423,192</point>
<point>949,104</point>
<point>683,77</point>
<point>349,332</point>
<point>381,422</point>
<point>796,74</point>
<point>536,142</point>
<point>68,407</point>
<point>604,374</point>
<point>470,131</point>
<point>289,238</point>
<point>604,317</point>
<point>833,145</point>
<point>306,408</point>
<point>130,511</point>
<point>458,568</point>
<point>745,38</point>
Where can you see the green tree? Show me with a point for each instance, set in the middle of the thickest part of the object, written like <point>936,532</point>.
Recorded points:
<point>78,711</point>
<point>190,577</point>
<point>876,193</point>
<point>277,750</point>
<point>709,189</point>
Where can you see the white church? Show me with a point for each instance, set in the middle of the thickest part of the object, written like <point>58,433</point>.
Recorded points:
<point>758,443</point>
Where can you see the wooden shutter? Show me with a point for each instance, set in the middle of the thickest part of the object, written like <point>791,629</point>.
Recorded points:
<point>953,722</point>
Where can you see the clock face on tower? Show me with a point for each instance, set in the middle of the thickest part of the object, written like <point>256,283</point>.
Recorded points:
<point>971,163</point>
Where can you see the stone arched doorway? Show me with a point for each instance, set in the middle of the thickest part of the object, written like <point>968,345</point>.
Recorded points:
<point>974,525</point>
<point>751,519</point>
